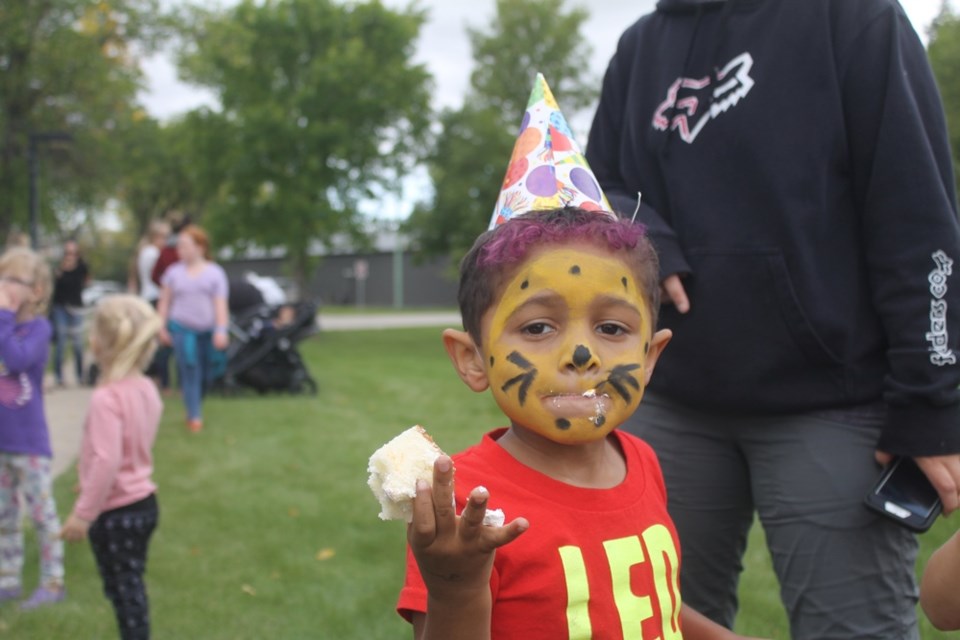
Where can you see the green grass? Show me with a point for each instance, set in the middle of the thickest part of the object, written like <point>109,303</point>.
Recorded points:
<point>268,530</point>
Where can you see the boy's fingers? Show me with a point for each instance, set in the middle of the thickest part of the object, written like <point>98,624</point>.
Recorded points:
<point>443,495</point>
<point>471,520</point>
<point>423,529</point>
<point>498,536</point>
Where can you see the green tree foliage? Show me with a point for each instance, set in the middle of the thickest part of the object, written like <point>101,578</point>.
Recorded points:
<point>322,107</point>
<point>471,154</point>
<point>944,54</point>
<point>162,175</point>
<point>67,66</point>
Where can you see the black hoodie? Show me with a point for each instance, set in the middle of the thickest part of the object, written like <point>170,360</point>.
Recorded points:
<point>794,166</point>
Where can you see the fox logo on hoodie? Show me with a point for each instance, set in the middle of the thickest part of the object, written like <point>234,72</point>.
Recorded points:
<point>693,102</point>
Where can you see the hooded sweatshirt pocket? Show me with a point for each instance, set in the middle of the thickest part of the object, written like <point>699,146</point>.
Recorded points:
<point>746,341</point>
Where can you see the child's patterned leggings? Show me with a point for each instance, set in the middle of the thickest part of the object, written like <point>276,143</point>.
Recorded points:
<point>28,477</point>
<point>119,540</point>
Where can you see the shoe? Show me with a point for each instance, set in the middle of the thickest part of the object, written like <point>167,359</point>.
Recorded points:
<point>195,425</point>
<point>10,593</point>
<point>42,597</point>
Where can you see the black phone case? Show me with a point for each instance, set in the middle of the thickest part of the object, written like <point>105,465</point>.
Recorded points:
<point>880,501</point>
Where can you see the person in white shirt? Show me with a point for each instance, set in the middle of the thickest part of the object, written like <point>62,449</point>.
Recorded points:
<point>156,237</point>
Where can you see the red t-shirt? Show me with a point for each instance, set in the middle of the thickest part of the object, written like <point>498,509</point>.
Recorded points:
<point>595,563</point>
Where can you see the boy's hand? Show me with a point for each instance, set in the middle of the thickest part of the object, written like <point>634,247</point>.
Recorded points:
<point>75,529</point>
<point>455,554</point>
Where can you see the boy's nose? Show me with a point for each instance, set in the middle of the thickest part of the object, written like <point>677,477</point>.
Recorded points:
<point>582,359</point>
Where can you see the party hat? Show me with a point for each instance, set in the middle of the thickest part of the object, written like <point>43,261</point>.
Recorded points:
<point>547,169</point>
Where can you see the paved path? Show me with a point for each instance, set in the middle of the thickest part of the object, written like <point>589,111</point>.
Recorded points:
<point>66,407</point>
<point>352,322</point>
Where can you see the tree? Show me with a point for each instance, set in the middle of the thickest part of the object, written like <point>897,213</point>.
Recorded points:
<point>67,66</point>
<point>471,154</point>
<point>163,173</point>
<point>322,106</point>
<point>944,54</point>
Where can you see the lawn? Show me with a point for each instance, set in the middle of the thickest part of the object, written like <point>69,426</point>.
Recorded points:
<point>268,530</point>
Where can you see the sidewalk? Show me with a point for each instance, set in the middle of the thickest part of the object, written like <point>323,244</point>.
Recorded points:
<point>359,321</point>
<point>66,407</point>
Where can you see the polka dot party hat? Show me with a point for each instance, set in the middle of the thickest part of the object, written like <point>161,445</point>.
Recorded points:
<point>547,169</point>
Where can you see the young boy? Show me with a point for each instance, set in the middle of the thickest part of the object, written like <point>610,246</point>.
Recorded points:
<point>559,308</point>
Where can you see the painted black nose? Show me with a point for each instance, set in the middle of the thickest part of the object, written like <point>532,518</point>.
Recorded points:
<point>581,356</point>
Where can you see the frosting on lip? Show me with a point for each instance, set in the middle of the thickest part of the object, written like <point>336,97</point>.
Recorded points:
<point>565,405</point>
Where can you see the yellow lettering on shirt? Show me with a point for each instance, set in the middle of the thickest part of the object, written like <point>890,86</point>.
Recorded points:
<point>659,545</point>
<point>578,593</point>
<point>622,554</point>
<point>655,549</point>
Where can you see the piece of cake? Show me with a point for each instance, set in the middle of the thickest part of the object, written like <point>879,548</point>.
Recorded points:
<point>395,468</point>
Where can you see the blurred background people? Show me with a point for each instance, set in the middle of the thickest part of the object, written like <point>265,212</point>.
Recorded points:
<point>71,276</point>
<point>26,479</point>
<point>193,306</point>
<point>158,234</point>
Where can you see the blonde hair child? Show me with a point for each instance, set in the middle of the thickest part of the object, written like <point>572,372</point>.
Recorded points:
<point>25,453</point>
<point>117,506</point>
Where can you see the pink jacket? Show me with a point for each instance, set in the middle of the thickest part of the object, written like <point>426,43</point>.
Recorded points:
<point>116,459</point>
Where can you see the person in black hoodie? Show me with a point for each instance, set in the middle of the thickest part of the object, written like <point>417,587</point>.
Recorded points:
<point>796,179</point>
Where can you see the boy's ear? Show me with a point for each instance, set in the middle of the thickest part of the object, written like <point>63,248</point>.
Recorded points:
<point>465,356</point>
<point>657,343</point>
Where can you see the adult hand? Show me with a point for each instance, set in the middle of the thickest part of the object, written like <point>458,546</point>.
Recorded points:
<point>164,336</point>
<point>672,292</point>
<point>944,474</point>
<point>220,340</point>
<point>75,529</point>
<point>455,553</point>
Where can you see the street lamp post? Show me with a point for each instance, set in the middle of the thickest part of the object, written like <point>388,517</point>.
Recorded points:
<point>35,140</point>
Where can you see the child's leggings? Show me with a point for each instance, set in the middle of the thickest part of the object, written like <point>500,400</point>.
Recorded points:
<point>28,476</point>
<point>119,539</point>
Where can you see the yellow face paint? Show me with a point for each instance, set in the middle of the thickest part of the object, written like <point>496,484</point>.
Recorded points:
<point>566,346</point>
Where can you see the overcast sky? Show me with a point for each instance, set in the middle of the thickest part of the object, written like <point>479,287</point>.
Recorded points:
<point>443,47</point>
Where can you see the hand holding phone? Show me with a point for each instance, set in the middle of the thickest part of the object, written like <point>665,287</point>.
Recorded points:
<point>904,494</point>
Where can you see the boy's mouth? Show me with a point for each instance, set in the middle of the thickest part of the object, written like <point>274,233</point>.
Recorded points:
<point>588,404</point>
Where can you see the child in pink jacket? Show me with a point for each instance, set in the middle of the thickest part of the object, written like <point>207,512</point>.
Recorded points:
<point>117,506</point>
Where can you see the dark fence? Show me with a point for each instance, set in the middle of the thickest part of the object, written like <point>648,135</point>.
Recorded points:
<point>366,279</point>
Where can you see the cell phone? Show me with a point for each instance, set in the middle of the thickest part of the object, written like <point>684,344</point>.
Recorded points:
<point>904,494</point>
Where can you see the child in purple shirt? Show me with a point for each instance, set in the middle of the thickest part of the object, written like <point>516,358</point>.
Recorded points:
<point>25,453</point>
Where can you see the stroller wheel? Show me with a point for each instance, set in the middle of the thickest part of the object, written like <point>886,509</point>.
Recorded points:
<point>308,386</point>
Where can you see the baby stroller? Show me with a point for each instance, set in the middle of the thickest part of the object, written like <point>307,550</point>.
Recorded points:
<point>263,352</point>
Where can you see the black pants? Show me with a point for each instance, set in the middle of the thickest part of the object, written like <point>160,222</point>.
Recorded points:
<point>119,540</point>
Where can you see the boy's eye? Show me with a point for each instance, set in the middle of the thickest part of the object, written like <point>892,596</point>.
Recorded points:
<point>611,329</point>
<point>537,328</point>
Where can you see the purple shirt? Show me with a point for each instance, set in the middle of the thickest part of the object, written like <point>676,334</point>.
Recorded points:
<point>192,296</point>
<point>23,358</point>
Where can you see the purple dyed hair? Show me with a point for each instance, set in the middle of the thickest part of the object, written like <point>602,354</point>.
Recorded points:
<point>497,253</point>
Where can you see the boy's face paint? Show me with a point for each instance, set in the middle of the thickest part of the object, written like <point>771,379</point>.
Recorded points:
<point>566,346</point>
